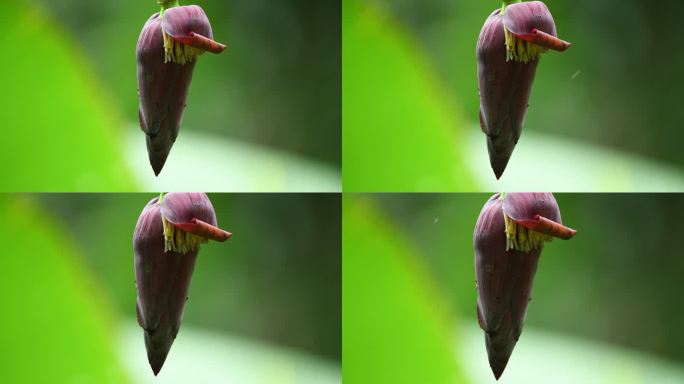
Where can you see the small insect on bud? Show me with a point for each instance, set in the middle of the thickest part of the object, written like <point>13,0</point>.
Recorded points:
<point>508,51</point>
<point>166,243</point>
<point>166,54</point>
<point>508,240</point>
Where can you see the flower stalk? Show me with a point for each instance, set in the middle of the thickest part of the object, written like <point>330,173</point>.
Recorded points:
<point>166,4</point>
<point>507,3</point>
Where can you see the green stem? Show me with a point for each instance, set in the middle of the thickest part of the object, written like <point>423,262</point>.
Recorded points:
<point>166,4</point>
<point>506,3</point>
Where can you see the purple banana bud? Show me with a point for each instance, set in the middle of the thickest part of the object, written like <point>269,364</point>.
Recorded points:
<point>508,240</point>
<point>166,53</point>
<point>508,51</point>
<point>166,243</point>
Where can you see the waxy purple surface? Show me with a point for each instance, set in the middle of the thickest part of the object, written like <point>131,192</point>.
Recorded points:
<point>527,205</point>
<point>178,22</point>
<point>505,278</point>
<point>504,89</point>
<point>162,90</point>
<point>162,281</point>
<point>523,18</point>
<point>182,207</point>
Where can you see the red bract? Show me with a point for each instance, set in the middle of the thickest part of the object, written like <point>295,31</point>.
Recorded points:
<point>508,241</point>
<point>166,243</point>
<point>188,27</point>
<point>166,54</point>
<point>508,51</point>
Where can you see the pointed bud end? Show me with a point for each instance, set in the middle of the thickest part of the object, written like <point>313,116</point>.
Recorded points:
<point>158,151</point>
<point>498,365</point>
<point>498,172</point>
<point>500,149</point>
<point>157,349</point>
<point>157,166</point>
<point>498,165</point>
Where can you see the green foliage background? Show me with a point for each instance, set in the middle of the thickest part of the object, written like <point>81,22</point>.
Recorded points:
<point>69,104</point>
<point>612,292</point>
<point>603,115</point>
<point>269,298</point>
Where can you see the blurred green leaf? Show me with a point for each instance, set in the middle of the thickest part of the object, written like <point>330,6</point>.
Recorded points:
<point>399,133</point>
<point>57,327</point>
<point>59,127</point>
<point>395,324</point>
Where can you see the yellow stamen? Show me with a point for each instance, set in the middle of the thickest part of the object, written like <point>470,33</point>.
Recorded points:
<point>521,238</point>
<point>178,240</point>
<point>521,50</point>
<point>177,52</point>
